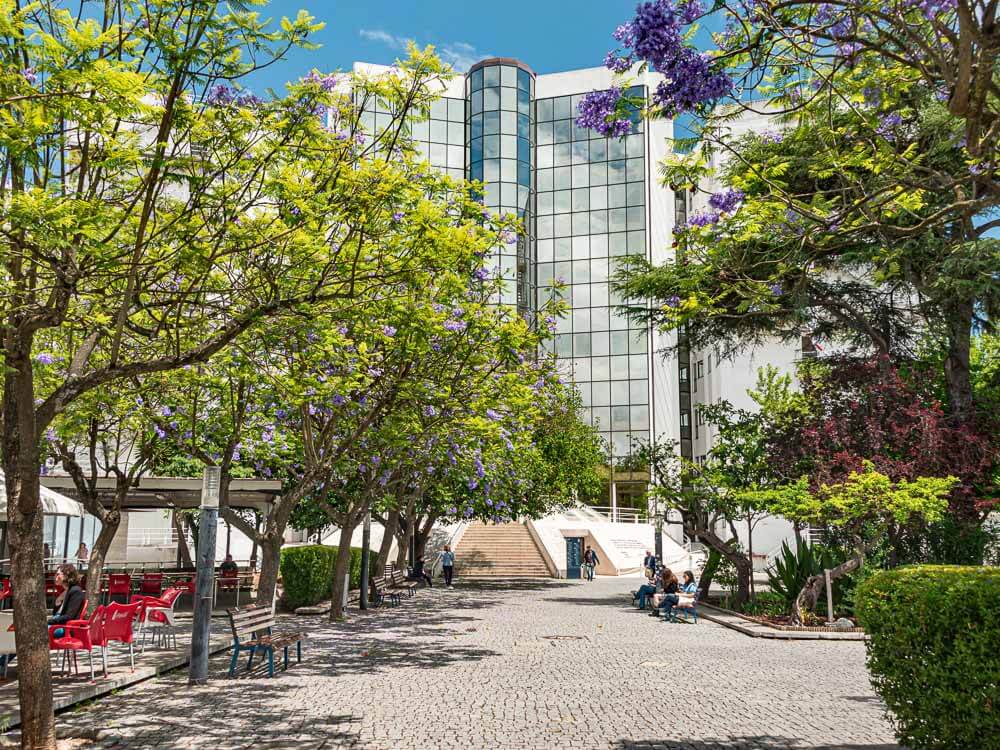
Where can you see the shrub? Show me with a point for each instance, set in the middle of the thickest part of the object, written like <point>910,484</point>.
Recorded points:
<point>791,570</point>
<point>933,652</point>
<point>766,603</point>
<point>307,573</point>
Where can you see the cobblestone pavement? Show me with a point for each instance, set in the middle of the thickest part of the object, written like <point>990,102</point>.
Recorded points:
<point>521,664</point>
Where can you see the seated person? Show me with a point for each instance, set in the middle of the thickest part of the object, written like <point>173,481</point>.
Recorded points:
<point>419,573</point>
<point>687,587</point>
<point>229,568</point>
<point>69,603</point>
<point>669,585</point>
<point>648,589</point>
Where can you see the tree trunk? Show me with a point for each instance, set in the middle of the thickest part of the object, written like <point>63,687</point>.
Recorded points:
<point>342,566</point>
<point>99,554</point>
<point>391,524</point>
<point>422,534</point>
<point>957,372</point>
<point>740,561</point>
<point>707,573</point>
<point>815,585</point>
<point>182,546</point>
<point>270,562</point>
<point>24,520</point>
<point>402,546</point>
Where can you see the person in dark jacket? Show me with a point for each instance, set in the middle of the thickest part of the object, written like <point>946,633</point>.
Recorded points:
<point>69,603</point>
<point>649,563</point>
<point>590,561</point>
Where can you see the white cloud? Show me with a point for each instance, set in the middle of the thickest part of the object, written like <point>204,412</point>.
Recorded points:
<point>378,35</point>
<point>460,55</point>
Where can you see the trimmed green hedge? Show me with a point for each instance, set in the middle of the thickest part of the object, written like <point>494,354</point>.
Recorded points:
<point>934,653</point>
<point>307,573</point>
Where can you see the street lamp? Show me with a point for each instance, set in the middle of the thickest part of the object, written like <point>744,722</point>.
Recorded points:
<point>205,575</point>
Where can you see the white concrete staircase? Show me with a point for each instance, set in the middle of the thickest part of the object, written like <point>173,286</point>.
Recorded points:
<point>499,551</point>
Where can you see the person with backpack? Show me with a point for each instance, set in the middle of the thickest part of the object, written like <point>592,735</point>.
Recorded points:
<point>590,561</point>
<point>448,565</point>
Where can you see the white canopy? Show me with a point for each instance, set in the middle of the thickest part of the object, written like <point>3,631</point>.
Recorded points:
<point>53,504</point>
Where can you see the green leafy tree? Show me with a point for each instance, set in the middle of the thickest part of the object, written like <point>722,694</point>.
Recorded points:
<point>863,505</point>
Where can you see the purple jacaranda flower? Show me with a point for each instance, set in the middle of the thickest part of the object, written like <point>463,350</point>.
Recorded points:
<point>389,331</point>
<point>452,510</point>
<point>342,330</point>
<point>160,432</point>
<point>887,125</point>
<point>30,75</point>
<point>166,411</point>
<point>220,95</point>
<point>455,325</point>
<point>472,483</point>
<point>673,301</point>
<point>397,216</point>
<point>338,400</point>
<point>280,413</point>
<point>45,358</point>
<point>616,63</point>
<point>703,218</point>
<point>598,110</point>
<point>771,136</point>
<point>430,411</point>
<point>776,289</point>
<point>726,201</point>
<point>50,435</point>
<point>481,274</point>
<point>493,415</point>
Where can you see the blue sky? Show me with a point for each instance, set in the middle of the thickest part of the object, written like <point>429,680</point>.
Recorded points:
<point>548,35</point>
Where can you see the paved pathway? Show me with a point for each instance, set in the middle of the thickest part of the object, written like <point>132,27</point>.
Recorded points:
<point>525,665</point>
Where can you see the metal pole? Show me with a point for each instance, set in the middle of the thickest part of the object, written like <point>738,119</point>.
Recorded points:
<point>205,576</point>
<point>366,538</point>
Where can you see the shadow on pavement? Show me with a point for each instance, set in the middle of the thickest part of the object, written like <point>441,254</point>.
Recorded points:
<point>758,742</point>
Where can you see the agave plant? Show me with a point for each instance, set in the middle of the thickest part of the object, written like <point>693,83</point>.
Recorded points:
<point>790,571</point>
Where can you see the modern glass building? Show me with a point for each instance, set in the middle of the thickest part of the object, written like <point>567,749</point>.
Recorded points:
<point>586,202</point>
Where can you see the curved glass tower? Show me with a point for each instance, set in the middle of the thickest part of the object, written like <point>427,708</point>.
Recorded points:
<point>499,95</point>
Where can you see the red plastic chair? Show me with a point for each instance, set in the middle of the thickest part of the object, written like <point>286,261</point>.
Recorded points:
<point>5,593</point>
<point>118,626</point>
<point>79,635</point>
<point>152,584</point>
<point>157,613</point>
<point>119,584</point>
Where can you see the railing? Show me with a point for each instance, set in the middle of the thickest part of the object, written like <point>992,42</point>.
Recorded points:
<point>152,537</point>
<point>620,515</point>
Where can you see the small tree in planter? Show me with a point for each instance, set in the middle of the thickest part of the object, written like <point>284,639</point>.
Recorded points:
<point>862,507</point>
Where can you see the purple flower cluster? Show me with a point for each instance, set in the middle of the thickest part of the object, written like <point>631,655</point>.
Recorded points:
<point>703,219</point>
<point>776,289</point>
<point>397,216</point>
<point>327,82</point>
<point>673,301</point>
<point>45,358</point>
<point>727,201</point>
<point>389,331</point>
<point>481,274</point>
<point>931,9</point>
<point>888,124</point>
<point>598,111</point>
<point>30,75</point>
<point>771,136</point>
<point>656,36</point>
<point>221,95</point>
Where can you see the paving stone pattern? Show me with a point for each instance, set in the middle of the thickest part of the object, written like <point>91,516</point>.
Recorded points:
<point>527,665</point>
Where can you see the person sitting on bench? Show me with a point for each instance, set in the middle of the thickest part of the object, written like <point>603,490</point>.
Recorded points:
<point>669,586</point>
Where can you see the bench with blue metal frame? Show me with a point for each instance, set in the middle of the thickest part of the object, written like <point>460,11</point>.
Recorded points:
<point>254,631</point>
<point>673,614</point>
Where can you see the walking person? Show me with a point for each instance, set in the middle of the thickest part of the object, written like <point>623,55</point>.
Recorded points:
<point>649,563</point>
<point>590,561</point>
<point>448,565</point>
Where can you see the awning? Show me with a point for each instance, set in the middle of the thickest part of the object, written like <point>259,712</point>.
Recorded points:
<point>53,504</point>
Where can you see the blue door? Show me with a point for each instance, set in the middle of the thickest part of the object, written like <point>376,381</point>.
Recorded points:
<point>574,556</point>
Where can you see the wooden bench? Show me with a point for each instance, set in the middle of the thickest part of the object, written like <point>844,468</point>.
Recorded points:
<point>399,581</point>
<point>254,631</point>
<point>383,591</point>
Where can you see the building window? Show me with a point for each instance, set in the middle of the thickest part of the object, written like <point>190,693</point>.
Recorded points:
<point>701,369</point>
